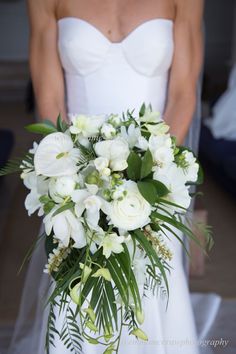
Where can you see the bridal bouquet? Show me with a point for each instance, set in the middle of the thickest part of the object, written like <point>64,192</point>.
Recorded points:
<point>110,189</point>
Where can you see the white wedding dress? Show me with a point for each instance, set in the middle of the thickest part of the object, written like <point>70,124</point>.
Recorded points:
<point>102,77</point>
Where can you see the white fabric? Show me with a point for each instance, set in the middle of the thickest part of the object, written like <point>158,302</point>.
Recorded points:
<point>223,121</point>
<point>105,77</point>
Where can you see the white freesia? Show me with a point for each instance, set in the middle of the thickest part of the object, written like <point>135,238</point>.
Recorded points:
<point>158,129</point>
<point>191,171</point>
<point>62,187</point>
<point>134,137</point>
<point>115,120</point>
<point>161,149</point>
<point>150,116</point>
<point>101,164</point>
<point>132,212</point>
<point>56,156</point>
<point>65,226</point>
<point>87,126</point>
<point>174,180</point>
<point>112,243</point>
<point>108,131</point>
<point>116,151</point>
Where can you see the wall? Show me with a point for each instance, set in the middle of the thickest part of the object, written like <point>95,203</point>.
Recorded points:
<point>13,31</point>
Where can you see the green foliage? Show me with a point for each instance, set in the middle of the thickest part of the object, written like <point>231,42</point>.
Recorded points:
<point>71,333</point>
<point>44,128</point>
<point>134,166</point>
<point>147,164</point>
<point>62,126</point>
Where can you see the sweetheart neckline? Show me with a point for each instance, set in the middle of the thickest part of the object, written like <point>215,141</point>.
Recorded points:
<point>66,18</point>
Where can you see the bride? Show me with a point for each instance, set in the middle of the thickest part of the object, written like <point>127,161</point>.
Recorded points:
<point>100,57</point>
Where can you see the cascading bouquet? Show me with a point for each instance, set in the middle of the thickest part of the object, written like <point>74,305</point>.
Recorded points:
<point>111,190</point>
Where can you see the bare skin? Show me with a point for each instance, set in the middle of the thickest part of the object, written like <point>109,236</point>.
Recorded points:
<point>116,19</point>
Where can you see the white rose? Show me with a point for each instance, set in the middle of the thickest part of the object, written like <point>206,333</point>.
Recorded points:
<point>56,156</point>
<point>87,126</point>
<point>132,212</point>
<point>108,131</point>
<point>116,151</point>
<point>101,163</point>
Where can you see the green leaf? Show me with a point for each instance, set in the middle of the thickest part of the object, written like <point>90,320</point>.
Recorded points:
<point>161,189</point>
<point>67,206</point>
<point>62,126</point>
<point>142,110</point>
<point>41,128</point>
<point>147,164</point>
<point>134,166</point>
<point>148,191</point>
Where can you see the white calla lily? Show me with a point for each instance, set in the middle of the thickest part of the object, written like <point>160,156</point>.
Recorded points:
<point>56,156</point>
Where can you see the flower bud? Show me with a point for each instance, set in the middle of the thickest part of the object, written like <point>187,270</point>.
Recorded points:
<point>90,313</point>
<point>137,332</point>
<point>75,294</point>
<point>103,272</point>
<point>140,316</point>
<point>91,326</point>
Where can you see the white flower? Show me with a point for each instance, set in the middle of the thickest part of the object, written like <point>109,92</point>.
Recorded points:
<point>87,126</point>
<point>174,180</point>
<point>38,186</point>
<point>89,201</point>
<point>150,116</point>
<point>112,243</point>
<point>56,156</point>
<point>161,149</point>
<point>158,129</point>
<point>108,131</point>
<point>191,171</point>
<point>133,136</point>
<point>101,164</point>
<point>65,226</point>
<point>114,120</point>
<point>132,212</point>
<point>34,148</point>
<point>140,263</point>
<point>116,151</point>
<point>62,187</point>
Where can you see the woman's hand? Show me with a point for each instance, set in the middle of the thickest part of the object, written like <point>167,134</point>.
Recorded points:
<point>45,66</point>
<point>186,67</point>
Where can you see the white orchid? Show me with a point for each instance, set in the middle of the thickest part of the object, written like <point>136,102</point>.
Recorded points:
<point>112,243</point>
<point>65,226</point>
<point>132,211</point>
<point>56,156</point>
<point>116,151</point>
<point>87,126</point>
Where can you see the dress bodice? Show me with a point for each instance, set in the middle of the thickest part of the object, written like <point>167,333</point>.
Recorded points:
<point>106,77</point>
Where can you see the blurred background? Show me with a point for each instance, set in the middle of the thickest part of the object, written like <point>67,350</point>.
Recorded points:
<point>214,274</point>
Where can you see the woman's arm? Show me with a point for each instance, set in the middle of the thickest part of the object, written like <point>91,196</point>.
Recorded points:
<point>45,66</point>
<point>186,67</point>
